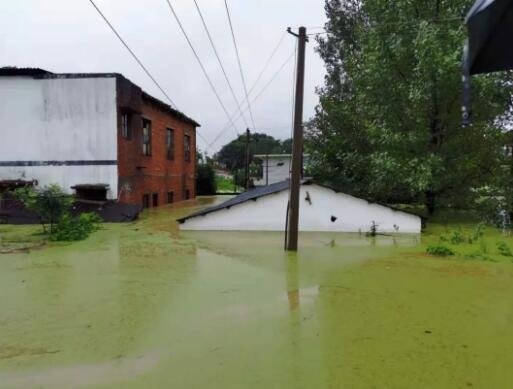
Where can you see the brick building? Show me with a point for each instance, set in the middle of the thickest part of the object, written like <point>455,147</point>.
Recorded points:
<point>98,136</point>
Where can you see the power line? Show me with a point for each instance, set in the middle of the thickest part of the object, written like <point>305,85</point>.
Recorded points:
<point>266,66</point>
<point>132,53</point>
<point>219,60</point>
<point>239,62</point>
<point>258,95</point>
<point>268,61</point>
<point>140,63</point>
<point>201,64</point>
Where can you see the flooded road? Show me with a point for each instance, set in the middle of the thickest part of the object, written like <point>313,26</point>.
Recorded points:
<point>146,306</point>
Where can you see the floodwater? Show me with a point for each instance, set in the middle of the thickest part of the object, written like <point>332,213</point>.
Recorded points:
<point>146,306</point>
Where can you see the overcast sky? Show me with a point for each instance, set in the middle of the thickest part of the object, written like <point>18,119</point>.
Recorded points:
<point>69,36</point>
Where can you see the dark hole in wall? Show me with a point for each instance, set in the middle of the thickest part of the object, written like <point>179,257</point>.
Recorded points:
<point>146,201</point>
<point>91,193</point>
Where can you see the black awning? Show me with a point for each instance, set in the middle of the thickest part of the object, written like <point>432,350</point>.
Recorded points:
<point>490,44</point>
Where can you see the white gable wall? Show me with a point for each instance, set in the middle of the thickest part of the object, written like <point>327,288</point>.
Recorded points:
<point>268,213</point>
<point>72,121</point>
<point>277,168</point>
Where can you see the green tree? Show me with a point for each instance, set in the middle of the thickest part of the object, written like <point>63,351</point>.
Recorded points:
<point>49,204</point>
<point>206,184</point>
<point>388,125</point>
<point>233,154</point>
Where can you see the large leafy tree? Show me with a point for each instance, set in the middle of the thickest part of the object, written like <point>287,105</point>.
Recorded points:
<point>233,154</point>
<point>388,126</point>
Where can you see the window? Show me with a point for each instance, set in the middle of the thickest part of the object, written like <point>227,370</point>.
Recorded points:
<point>146,201</point>
<point>170,144</point>
<point>187,148</point>
<point>155,199</point>
<point>170,197</point>
<point>146,141</point>
<point>126,131</point>
<point>187,194</point>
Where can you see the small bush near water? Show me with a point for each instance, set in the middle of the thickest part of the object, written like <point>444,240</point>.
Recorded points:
<point>52,206</point>
<point>49,204</point>
<point>504,250</point>
<point>71,228</point>
<point>439,250</point>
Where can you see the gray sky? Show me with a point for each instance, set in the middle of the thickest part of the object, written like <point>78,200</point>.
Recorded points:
<point>69,36</point>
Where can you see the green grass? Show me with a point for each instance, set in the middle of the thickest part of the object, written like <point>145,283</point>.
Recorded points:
<point>225,185</point>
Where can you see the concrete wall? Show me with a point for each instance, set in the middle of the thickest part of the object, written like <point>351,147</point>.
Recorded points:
<point>268,214</point>
<point>59,131</point>
<point>278,169</point>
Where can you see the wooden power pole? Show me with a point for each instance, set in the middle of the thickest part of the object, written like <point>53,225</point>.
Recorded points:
<point>247,157</point>
<point>297,145</point>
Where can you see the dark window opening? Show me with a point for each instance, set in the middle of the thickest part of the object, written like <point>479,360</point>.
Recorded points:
<point>86,192</point>
<point>155,199</point>
<point>170,197</point>
<point>187,148</point>
<point>146,201</point>
<point>170,144</point>
<point>146,140</point>
<point>187,194</point>
<point>126,130</point>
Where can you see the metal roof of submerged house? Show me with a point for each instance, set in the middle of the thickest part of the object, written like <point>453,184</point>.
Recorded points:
<point>263,191</point>
<point>253,194</point>
<point>38,73</point>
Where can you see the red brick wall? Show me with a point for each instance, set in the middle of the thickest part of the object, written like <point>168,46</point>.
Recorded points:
<point>140,174</point>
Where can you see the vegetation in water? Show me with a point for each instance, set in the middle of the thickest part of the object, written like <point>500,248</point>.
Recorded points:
<point>71,228</point>
<point>373,231</point>
<point>440,250</point>
<point>52,206</point>
<point>49,204</point>
<point>504,249</point>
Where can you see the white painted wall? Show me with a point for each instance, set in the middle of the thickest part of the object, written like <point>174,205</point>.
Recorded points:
<point>59,120</point>
<point>278,168</point>
<point>268,214</point>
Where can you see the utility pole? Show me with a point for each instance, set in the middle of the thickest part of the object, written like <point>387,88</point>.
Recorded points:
<point>267,170</point>
<point>248,140</point>
<point>297,145</point>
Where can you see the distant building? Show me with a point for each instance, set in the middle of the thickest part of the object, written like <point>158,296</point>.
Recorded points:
<point>98,136</point>
<point>321,209</point>
<point>275,168</point>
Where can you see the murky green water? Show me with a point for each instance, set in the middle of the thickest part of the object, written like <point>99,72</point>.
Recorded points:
<point>145,306</point>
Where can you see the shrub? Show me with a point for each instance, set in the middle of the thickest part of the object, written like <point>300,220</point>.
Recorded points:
<point>49,204</point>
<point>440,250</point>
<point>75,228</point>
<point>206,184</point>
<point>504,250</point>
<point>477,234</point>
<point>457,237</point>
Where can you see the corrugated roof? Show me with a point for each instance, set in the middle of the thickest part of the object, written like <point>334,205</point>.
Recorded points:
<point>242,198</point>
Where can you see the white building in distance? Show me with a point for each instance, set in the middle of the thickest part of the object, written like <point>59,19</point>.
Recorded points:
<point>322,209</point>
<point>275,168</point>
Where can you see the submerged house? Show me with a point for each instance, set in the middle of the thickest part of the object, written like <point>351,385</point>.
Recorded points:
<point>321,209</point>
<point>98,136</point>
